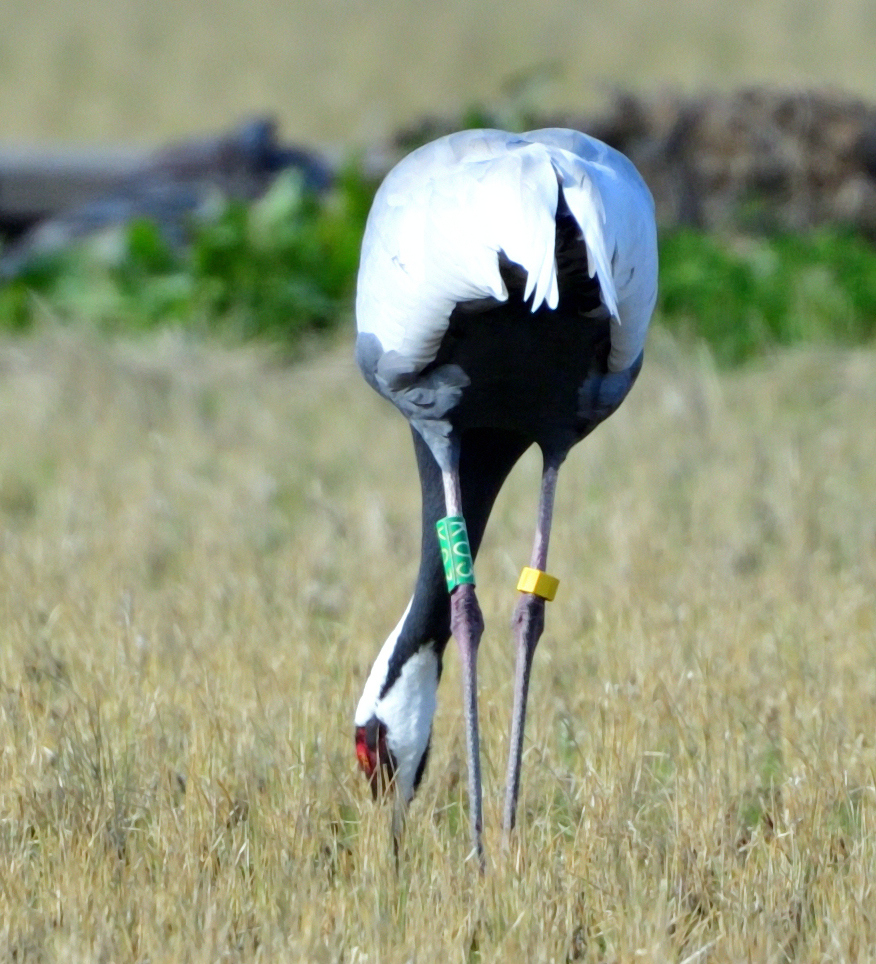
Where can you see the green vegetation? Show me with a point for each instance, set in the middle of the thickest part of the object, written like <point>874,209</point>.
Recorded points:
<point>286,266</point>
<point>280,268</point>
<point>746,295</point>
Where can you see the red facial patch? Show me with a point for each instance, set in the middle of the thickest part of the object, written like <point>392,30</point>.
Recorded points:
<point>375,759</point>
<point>367,757</point>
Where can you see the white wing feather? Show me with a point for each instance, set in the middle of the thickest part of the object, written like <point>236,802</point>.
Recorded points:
<point>444,213</point>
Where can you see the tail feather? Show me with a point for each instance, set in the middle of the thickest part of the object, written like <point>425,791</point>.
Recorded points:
<point>588,210</point>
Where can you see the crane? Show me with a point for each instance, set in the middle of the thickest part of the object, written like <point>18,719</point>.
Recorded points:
<point>505,289</point>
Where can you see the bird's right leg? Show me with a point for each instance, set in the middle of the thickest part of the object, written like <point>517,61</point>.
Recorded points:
<point>467,626</point>
<point>528,623</point>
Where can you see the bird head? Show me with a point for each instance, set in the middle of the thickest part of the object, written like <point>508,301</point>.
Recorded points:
<point>376,760</point>
<point>394,718</point>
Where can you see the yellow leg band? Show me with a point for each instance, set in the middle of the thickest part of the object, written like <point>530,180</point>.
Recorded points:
<point>538,583</point>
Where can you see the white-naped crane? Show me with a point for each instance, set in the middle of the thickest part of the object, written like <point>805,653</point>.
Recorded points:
<point>505,289</point>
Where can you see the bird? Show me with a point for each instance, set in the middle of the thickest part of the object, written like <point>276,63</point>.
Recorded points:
<point>505,288</point>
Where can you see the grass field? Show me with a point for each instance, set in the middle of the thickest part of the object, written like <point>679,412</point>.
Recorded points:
<point>348,71</point>
<point>190,599</point>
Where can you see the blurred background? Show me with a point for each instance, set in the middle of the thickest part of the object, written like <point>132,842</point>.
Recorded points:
<point>754,125</point>
<point>347,72</point>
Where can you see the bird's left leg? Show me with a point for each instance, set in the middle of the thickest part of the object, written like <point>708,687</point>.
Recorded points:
<point>528,624</point>
<point>467,626</point>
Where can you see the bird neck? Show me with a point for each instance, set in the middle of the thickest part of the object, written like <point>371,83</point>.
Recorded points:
<point>404,677</point>
<point>486,457</point>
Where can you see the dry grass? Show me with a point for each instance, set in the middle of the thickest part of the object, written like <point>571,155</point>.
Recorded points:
<point>347,71</point>
<point>190,597</point>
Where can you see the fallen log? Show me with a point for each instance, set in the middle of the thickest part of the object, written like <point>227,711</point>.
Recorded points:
<point>50,198</point>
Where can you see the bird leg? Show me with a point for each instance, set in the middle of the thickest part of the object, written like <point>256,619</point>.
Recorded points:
<point>528,624</point>
<point>467,626</point>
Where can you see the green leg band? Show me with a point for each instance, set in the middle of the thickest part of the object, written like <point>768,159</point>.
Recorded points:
<point>455,551</point>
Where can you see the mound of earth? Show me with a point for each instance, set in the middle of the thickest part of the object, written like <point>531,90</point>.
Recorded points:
<point>754,160</point>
